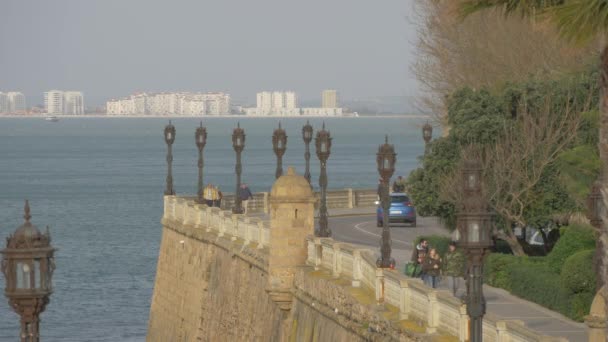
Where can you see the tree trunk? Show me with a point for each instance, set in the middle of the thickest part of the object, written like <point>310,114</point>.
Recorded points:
<point>603,148</point>
<point>511,239</point>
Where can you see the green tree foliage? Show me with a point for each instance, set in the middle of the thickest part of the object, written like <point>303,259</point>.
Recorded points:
<point>480,117</point>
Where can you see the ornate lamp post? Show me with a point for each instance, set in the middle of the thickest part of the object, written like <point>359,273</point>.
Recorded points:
<point>595,208</point>
<point>279,145</point>
<point>307,136</point>
<point>427,135</point>
<point>200,137</point>
<point>169,139</point>
<point>323,145</point>
<point>474,226</point>
<point>28,265</point>
<point>385,158</point>
<point>238,143</point>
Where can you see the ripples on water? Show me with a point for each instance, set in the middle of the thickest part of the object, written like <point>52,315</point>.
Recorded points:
<point>99,184</point>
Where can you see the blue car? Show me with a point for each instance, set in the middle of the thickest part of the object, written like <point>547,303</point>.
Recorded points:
<point>402,210</point>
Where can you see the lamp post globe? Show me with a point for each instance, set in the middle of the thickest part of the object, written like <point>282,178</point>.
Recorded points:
<point>474,223</point>
<point>323,147</point>
<point>200,138</point>
<point>427,135</point>
<point>385,160</point>
<point>279,145</point>
<point>307,137</point>
<point>169,134</point>
<point>28,265</point>
<point>238,143</point>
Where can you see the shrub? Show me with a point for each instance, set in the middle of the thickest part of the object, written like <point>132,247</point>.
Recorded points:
<point>536,283</point>
<point>440,243</point>
<point>497,270</point>
<point>575,238</point>
<point>578,274</point>
<point>580,304</point>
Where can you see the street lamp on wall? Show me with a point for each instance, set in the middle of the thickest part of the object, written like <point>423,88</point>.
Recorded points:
<point>385,160</point>
<point>169,139</point>
<point>307,136</point>
<point>474,223</point>
<point>28,265</point>
<point>200,138</point>
<point>238,143</point>
<point>279,145</point>
<point>323,147</point>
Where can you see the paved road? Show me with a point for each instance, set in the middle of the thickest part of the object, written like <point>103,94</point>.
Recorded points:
<point>362,230</point>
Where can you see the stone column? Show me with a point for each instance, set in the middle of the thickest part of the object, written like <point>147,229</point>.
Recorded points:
<point>596,320</point>
<point>291,221</point>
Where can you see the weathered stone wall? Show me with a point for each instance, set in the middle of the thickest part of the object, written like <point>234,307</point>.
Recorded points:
<point>204,291</point>
<point>214,288</point>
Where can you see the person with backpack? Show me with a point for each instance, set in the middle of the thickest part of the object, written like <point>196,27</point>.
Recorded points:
<point>418,256</point>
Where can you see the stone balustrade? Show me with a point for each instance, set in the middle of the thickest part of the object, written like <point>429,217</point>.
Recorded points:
<point>223,222</point>
<point>437,309</point>
<point>336,199</point>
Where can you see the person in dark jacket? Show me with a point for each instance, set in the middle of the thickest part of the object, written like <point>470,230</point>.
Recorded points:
<point>453,267</point>
<point>431,266</point>
<point>245,195</point>
<point>420,253</point>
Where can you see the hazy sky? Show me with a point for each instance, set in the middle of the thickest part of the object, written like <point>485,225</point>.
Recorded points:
<point>112,48</point>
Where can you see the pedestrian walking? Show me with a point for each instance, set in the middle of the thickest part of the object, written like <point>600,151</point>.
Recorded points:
<point>208,195</point>
<point>419,254</point>
<point>453,267</point>
<point>218,197</point>
<point>432,268</point>
<point>245,195</point>
<point>399,184</point>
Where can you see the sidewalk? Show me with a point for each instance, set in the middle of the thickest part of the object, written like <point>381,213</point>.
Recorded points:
<point>500,303</point>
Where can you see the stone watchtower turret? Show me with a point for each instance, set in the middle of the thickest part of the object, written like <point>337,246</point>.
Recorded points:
<point>291,221</point>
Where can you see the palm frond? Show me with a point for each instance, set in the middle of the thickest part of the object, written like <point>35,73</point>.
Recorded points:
<point>581,20</point>
<point>525,8</point>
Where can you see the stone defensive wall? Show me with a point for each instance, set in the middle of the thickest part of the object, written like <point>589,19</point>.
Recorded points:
<point>227,277</point>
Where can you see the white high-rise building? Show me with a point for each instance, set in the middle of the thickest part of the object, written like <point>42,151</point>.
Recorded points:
<point>16,102</point>
<point>291,101</point>
<point>329,99</point>
<point>3,103</point>
<point>73,103</point>
<point>53,101</point>
<point>191,104</point>
<point>264,101</point>
<point>278,100</point>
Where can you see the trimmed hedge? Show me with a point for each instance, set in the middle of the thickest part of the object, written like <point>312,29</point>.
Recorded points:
<point>562,281</point>
<point>536,283</point>
<point>578,274</point>
<point>497,270</point>
<point>440,243</point>
<point>573,239</point>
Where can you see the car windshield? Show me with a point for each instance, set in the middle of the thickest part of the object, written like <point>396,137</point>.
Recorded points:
<point>399,199</point>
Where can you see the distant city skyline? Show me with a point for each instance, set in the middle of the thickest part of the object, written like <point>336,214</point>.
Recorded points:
<point>106,51</point>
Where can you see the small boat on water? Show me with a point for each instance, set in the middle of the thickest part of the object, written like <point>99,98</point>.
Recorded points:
<point>51,118</point>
